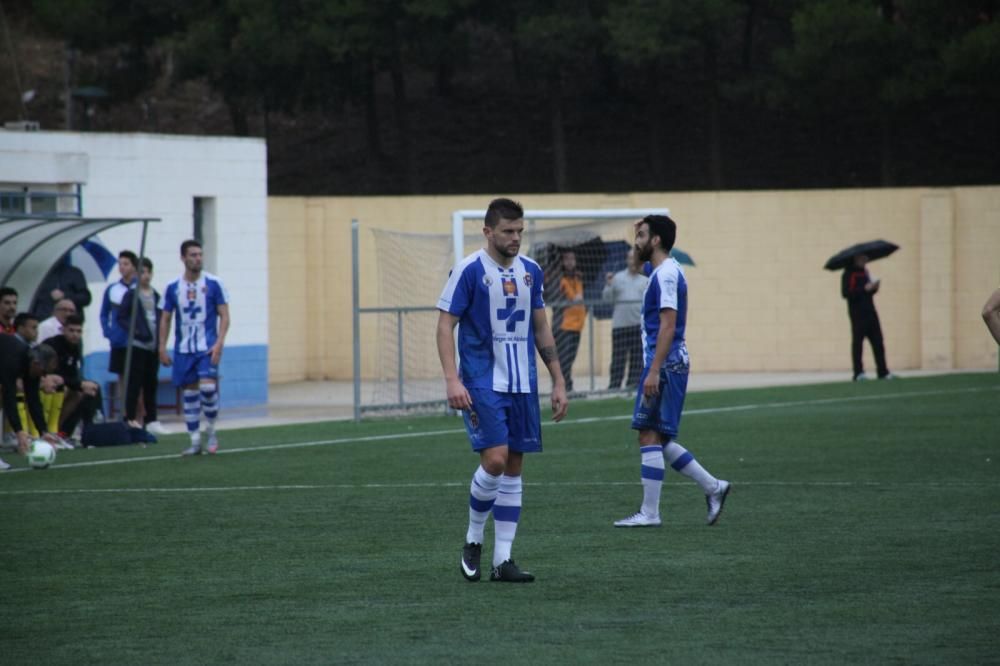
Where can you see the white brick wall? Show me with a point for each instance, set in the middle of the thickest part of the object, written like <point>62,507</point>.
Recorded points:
<point>148,175</point>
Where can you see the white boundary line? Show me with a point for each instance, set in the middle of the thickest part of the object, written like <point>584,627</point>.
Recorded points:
<point>463,484</point>
<point>455,431</point>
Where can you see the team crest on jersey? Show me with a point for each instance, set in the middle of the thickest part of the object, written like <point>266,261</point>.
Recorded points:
<point>509,286</point>
<point>527,280</point>
<point>487,280</point>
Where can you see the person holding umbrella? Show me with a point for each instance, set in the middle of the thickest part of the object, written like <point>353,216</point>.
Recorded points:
<point>859,289</point>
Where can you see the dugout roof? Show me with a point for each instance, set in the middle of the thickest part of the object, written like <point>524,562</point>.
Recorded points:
<point>30,245</point>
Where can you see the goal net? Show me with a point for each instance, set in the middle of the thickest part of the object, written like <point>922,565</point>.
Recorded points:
<point>403,371</point>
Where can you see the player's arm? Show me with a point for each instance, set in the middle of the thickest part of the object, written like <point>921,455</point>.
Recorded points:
<point>546,345</point>
<point>991,314</point>
<point>458,395</point>
<point>164,334</point>
<point>223,310</point>
<point>106,313</point>
<point>665,337</point>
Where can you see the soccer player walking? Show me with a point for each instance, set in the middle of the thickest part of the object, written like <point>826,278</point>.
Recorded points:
<point>663,385</point>
<point>202,306</point>
<point>495,298</point>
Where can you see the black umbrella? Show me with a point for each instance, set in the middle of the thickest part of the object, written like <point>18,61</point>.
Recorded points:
<point>876,249</point>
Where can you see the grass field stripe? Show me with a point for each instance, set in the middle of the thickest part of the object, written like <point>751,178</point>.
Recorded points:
<point>462,484</point>
<point>595,419</point>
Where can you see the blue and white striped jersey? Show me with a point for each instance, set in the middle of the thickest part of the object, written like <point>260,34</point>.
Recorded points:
<point>667,288</point>
<point>195,306</point>
<point>496,337</point>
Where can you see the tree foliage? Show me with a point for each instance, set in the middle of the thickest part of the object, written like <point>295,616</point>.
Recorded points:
<point>863,63</point>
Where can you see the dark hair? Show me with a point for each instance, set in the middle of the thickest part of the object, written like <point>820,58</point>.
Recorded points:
<point>503,209</point>
<point>664,227</point>
<point>189,243</point>
<point>73,320</point>
<point>130,255</point>
<point>7,291</point>
<point>146,262</point>
<point>23,317</point>
<point>43,354</point>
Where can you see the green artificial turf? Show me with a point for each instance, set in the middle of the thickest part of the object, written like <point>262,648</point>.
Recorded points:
<point>863,527</point>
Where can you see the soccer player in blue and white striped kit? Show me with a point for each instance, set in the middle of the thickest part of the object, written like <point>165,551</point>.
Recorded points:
<point>202,306</point>
<point>495,298</point>
<point>663,385</point>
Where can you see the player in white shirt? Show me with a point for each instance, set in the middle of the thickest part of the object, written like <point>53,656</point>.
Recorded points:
<point>202,306</point>
<point>495,298</point>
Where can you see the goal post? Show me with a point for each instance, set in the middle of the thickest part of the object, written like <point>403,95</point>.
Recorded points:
<point>396,364</point>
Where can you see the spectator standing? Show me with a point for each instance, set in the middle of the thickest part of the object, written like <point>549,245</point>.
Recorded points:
<point>144,369</point>
<point>568,316</point>
<point>64,280</point>
<point>128,264</point>
<point>859,289</point>
<point>625,289</point>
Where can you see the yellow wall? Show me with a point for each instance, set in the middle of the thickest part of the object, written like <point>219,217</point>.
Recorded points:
<point>759,298</point>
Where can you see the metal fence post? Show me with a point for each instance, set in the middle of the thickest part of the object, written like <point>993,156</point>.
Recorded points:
<point>356,299</point>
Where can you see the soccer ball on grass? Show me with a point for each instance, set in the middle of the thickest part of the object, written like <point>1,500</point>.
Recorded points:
<point>41,454</point>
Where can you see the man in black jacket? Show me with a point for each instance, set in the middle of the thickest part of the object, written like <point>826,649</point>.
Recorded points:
<point>19,361</point>
<point>859,289</point>
<point>63,281</point>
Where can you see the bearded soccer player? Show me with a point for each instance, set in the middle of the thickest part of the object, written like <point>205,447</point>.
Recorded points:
<point>663,384</point>
<point>494,297</point>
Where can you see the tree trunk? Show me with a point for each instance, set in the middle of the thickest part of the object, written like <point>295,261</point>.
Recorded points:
<point>401,111</point>
<point>559,166</point>
<point>715,171</point>
<point>372,133</point>
<point>748,29</point>
<point>654,145</point>
<point>887,151</point>
<point>237,116</point>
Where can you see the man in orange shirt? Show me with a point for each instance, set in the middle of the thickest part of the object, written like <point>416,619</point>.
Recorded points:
<point>568,315</point>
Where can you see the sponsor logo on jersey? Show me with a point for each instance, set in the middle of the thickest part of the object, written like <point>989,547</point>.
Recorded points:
<point>509,286</point>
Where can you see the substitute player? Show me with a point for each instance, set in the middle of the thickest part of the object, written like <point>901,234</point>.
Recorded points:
<point>495,298</point>
<point>202,306</point>
<point>663,385</point>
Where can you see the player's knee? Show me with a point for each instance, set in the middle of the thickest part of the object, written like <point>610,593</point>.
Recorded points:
<point>494,460</point>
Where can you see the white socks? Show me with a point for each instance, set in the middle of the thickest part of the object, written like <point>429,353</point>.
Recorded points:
<point>482,494</point>
<point>682,461</point>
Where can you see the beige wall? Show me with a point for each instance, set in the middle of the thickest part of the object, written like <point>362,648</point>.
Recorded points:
<point>759,298</point>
